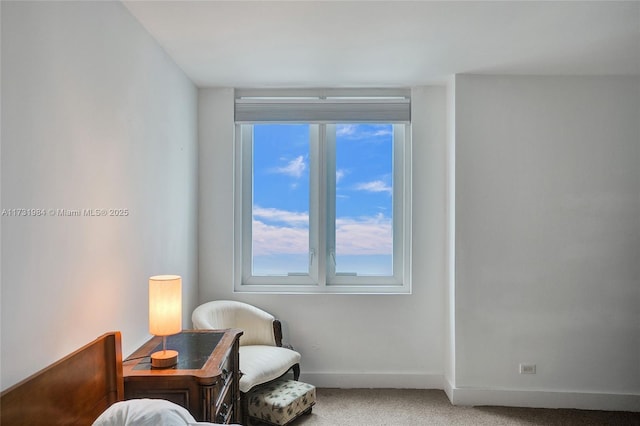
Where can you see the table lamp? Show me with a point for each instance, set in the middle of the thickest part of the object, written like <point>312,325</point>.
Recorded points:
<point>165,315</point>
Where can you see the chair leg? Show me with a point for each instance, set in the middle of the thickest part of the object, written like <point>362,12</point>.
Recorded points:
<point>296,372</point>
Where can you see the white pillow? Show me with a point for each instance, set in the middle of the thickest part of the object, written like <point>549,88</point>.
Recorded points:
<point>145,412</point>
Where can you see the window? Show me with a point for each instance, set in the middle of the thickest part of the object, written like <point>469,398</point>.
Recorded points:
<point>322,192</point>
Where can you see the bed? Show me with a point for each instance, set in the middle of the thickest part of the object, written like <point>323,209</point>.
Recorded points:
<point>84,386</point>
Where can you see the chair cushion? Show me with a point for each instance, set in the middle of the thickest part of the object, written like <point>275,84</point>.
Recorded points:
<point>281,401</point>
<point>260,364</point>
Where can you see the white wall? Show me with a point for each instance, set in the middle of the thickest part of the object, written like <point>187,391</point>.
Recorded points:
<point>94,115</point>
<point>548,240</point>
<point>345,340</point>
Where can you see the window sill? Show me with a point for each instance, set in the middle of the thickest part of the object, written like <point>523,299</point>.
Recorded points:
<point>325,289</point>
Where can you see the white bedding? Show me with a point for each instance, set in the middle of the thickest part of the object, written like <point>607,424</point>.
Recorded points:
<point>147,412</point>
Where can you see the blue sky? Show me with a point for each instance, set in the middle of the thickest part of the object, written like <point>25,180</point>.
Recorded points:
<point>363,198</point>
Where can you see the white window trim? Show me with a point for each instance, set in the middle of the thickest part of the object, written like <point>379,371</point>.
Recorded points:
<point>318,280</point>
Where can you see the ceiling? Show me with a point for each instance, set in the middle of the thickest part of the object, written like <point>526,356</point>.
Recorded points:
<point>389,43</point>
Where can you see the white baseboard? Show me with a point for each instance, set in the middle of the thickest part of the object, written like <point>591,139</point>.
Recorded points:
<point>373,380</point>
<point>476,396</point>
<point>542,399</point>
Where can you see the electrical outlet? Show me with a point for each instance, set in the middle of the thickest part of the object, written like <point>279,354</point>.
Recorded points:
<point>527,369</point>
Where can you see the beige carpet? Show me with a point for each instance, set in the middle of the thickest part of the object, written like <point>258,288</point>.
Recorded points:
<point>405,407</point>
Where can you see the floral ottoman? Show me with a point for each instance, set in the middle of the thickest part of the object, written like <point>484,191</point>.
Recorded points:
<point>281,401</point>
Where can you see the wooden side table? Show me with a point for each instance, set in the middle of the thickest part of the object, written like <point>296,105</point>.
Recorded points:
<point>205,381</point>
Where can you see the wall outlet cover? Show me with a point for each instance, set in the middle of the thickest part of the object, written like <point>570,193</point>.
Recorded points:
<point>527,369</point>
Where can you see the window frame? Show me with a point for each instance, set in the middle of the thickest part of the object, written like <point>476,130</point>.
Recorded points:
<point>322,180</point>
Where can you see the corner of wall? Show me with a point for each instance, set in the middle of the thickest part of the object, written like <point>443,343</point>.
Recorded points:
<point>449,353</point>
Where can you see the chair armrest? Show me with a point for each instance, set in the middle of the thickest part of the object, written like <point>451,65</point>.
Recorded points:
<point>277,332</point>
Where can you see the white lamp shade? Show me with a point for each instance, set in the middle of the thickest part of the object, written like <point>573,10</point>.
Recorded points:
<point>165,305</point>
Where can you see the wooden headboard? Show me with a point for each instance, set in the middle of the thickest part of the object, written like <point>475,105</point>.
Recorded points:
<point>72,391</point>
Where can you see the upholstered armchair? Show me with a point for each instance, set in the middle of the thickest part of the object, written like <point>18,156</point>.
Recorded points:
<point>262,357</point>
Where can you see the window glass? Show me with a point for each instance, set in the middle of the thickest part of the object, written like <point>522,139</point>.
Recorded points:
<point>364,199</point>
<point>280,220</point>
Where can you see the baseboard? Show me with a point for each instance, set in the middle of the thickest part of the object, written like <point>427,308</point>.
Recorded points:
<point>542,399</point>
<point>374,380</point>
<point>476,396</point>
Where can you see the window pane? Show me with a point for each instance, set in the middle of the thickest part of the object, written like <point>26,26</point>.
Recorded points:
<point>364,199</point>
<point>280,226</point>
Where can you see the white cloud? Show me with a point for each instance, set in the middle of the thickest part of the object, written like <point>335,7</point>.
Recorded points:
<point>346,129</point>
<point>269,239</point>
<point>381,132</point>
<point>340,174</point>
<point>374,186</point>
<point>295,219</point>
<point>294,168</point>
<point>356,131</point>
<point>354,236</point>
<point>372,235</point>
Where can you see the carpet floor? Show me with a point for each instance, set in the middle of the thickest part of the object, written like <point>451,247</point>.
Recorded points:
<point>409,407</point>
